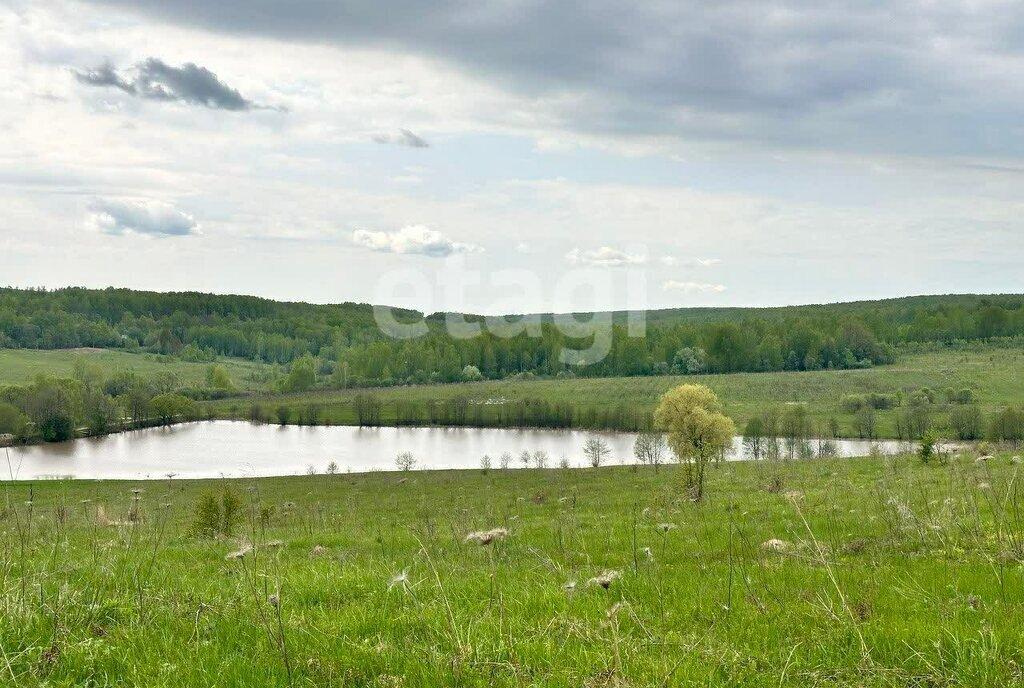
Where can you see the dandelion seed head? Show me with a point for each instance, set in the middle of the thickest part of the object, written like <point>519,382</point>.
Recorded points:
<point>605,578</point>
<point>399,579</point>
<point>776,545</point>
<point>239,553</point>
<point>665,527</point>
<point>486,537</point>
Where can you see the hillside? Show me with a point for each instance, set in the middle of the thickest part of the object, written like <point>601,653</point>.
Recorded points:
<point>344,342</point>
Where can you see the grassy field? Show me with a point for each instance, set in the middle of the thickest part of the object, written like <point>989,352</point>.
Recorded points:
<point>20,366</point>
<point>996,375</point>
<point>866,572</point>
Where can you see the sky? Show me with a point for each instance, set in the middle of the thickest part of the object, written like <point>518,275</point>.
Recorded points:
<point>508,156</point>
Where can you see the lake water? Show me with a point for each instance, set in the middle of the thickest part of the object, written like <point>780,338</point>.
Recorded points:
<point>240,449</point>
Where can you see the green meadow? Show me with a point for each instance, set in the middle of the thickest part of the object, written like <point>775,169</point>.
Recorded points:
<point>20,366</point>
<point>994,375</point>
<point>865,572</point>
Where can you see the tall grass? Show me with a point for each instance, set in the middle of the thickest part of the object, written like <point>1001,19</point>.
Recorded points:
<point>864,572</point>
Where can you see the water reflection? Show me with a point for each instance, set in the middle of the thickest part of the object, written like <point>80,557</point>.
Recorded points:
<point>241,449</point>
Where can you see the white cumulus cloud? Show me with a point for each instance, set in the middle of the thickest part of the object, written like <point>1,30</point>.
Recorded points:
<point>412,239</point>
<point>693,287</point>
<point>691,262</point>
<point>604,257</point>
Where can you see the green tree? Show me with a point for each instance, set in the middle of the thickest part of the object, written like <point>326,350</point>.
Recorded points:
<point>217,378</point>
<point>101,412</point>
<point>753,438</point>
<point>168,407</point>
<point>966,422</point>
<point>472,374</point>
<point>1007,426</point>
<point>698,431</point>
<point>12,421</point>
<point>54,406</point>
<point>301,376</point>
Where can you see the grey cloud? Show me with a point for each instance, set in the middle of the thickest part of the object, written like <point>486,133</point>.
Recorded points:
<point>140,217</point>
<point>154,79</point>
<point>852,74</point>
<point>403,137</point>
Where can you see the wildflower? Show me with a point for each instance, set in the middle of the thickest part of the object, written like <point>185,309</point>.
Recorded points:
<point>793,495</point>
<point>239,553</point>
<point>665,527</point>
<point>983,459</point>
<point>569,586</point>
<point>274,600</point>
<point>776,545</point>
<point>486,537</point>
<point>605,578</point>
<point>317,551</point>
<point>274,543</point>
<point>137,491</point>
<point>648,553</point>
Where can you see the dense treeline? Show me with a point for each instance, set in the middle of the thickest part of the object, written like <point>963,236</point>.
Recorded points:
<point>342,346</point>
<point>91,403</point>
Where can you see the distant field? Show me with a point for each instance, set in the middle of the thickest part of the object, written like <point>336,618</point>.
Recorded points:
<point>873,573</point>
<point>20,366</point>
<point>996,375</point>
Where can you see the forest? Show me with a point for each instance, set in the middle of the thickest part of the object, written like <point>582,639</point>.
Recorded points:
<point>344,345</point>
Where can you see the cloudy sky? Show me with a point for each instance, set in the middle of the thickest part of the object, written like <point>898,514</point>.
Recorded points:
<point>511,155</point>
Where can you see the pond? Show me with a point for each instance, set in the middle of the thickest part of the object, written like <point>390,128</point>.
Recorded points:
<point>239,449</point>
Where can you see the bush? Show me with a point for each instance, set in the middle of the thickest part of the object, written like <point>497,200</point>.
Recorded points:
<point>851,403</point>
<point>12,421</point>
<point>965,422</point>
<point>1007,426</point>
<point>216,513</point>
